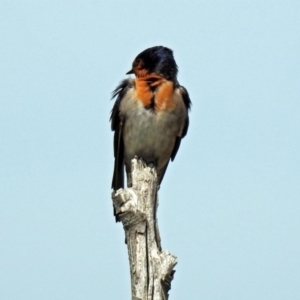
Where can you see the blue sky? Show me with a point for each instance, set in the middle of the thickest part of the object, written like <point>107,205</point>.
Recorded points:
<point>229,204</point>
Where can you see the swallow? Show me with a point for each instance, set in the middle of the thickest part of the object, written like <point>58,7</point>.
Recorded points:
<point>150,114</point>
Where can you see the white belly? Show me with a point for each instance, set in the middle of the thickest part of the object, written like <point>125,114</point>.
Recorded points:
<point>150,135</point>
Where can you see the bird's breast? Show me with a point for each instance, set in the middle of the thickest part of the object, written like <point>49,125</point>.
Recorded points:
<point>155,93</point>
<point>150,133</point>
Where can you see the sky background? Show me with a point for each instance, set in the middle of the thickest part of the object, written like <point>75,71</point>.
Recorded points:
<point>230,202</point>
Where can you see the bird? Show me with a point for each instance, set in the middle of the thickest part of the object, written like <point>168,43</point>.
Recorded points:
<point>150,115</point>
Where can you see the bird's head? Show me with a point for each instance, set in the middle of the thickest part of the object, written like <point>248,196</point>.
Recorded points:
<point>158,60</point>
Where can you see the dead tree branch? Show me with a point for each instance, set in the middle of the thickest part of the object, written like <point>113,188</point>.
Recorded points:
<point>151,268</point>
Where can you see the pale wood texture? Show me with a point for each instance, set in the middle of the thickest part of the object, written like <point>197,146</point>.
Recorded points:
<point>151,268</point>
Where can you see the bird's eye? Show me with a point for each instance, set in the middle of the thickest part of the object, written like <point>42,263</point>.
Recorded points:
<point>138,64</point>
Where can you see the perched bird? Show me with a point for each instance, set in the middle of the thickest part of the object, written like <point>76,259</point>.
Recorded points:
<point>150,114</point>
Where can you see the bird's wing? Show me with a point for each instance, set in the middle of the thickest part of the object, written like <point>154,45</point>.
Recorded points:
<point>117,124</point>
<point>187,102</point>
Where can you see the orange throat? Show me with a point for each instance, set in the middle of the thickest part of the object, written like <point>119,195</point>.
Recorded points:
<point>154,91</point>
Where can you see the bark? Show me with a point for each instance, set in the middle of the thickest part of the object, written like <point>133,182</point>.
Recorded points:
<point>151,268</point>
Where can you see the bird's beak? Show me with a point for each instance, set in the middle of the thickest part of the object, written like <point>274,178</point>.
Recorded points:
<point>130,72</point>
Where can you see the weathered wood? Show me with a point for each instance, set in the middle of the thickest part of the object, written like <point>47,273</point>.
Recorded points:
<point>151,269</point>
